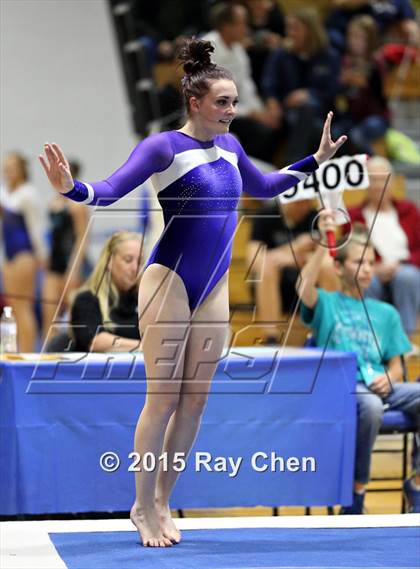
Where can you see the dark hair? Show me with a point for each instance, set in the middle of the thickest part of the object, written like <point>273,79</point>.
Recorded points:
<point>224,13</point>
<point>359,234</point>
<point>195,54</point>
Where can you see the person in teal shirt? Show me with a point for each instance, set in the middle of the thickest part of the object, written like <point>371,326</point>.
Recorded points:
<point>372,329</point>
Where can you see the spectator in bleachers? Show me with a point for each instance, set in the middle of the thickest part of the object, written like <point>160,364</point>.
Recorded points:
<point>161,25</point>
<point>24,249</point>
<point>339,321</point>
<point>104,316</point>
<point>395,235</point>
<point>362,108</point>
<point>266,33</point>
<point>390,15</point>
<point>69,224</point>
<point>280,244</point>
<point>300,80</point>
<point>255,124</point>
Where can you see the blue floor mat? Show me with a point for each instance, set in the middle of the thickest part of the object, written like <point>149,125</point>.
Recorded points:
<point>246,548</point>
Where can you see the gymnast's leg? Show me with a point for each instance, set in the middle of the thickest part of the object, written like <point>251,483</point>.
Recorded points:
<point>207,335</point>
<point>19,278</point>
<point>164,316</point>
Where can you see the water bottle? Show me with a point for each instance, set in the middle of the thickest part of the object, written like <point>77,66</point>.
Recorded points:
<point>8,331</point>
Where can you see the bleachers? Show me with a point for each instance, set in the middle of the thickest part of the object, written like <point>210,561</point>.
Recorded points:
<point>408,87</point>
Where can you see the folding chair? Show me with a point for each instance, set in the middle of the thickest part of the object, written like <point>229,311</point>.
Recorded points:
<point>393,423</point>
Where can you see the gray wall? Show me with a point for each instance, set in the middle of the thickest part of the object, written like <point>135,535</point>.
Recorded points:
<point>61,82</point>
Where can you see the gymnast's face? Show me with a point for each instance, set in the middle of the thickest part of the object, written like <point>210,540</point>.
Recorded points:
<point>358,266</point>
<point>214,112</point>
<point>124,264</point>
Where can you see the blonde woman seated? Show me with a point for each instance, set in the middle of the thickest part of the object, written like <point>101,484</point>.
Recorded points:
<point>104,314</point>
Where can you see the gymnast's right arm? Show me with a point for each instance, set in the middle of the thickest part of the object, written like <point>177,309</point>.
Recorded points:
<point>153,154</point>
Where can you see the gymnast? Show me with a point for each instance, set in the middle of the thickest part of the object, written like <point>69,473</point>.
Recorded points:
<point>25,252</point>
<point>198,172</point>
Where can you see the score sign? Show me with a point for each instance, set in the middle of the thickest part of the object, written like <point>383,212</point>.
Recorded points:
<point>337,175</point>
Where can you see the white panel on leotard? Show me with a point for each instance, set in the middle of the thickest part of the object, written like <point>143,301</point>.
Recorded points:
<point>186,161</point>
<point>228,156</point>
<point>299,175</point>
<point>90,196</point>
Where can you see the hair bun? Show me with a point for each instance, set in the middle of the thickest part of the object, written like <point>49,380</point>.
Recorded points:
<point>196,56</point>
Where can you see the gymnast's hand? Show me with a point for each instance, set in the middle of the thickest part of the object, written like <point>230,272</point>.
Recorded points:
<point>57,168</point>
<point>327,147</point>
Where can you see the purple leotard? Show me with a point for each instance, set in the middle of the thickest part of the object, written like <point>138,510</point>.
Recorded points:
<point>198,185</point>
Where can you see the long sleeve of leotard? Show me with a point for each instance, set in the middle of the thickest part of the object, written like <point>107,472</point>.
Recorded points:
<point>153,154</point>
<point>260,185</point>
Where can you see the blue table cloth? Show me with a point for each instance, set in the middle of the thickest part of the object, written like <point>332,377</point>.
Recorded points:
<point>279,429</point>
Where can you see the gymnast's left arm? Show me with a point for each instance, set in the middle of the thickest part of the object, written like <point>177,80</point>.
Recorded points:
<point>269,185</point>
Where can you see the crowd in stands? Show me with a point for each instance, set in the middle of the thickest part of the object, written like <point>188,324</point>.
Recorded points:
<point>257,124</point>
<point>390,16</point>
<point>361,106</point>
<point>395,236</point>
<point>290,70</point>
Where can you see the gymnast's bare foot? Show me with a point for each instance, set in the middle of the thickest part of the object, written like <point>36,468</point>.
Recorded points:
<point>147,524</point>
<point>167,526</point>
